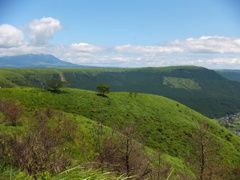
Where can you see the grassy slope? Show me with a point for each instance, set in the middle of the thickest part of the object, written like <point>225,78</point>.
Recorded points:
<point>203,90</point>
<point>164,123</point>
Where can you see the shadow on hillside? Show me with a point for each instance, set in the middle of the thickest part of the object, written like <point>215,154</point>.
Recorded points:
<point>103,95</point>
<point>56,91</point>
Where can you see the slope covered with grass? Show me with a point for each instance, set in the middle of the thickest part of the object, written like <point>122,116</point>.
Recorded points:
<point>164,124</point>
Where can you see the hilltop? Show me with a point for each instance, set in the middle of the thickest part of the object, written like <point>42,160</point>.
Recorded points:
<point>166,126</point>
<point>199,88</point>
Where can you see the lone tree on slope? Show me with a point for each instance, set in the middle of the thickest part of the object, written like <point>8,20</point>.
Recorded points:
<point>55,85</point>
<point>103,89</point>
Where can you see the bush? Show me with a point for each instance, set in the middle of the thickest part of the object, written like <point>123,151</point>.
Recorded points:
<point>42,148</point>
<point>11,110</point>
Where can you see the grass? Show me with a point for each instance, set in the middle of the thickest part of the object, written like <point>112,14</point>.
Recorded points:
<point>72,173</point>
<point>81,173</point>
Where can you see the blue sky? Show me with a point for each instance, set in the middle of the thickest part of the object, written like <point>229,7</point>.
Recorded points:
<point>124,33</point>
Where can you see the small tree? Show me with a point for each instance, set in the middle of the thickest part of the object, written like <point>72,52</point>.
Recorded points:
<point>103,89</point>
<point>55,85</point>
<point>122,153</point>
<point>206,162</point>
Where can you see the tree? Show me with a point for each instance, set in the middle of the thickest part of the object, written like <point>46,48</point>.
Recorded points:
<point>103,89</point>
<point>206,161</point>
<point>121,152</point>
<point>55,85</point>
<point>135,161</point>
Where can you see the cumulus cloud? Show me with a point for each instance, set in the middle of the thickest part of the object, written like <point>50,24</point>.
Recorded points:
<point>147,49</point>
<point>84,47</point>
<point>202,45</point>
<point>39,31</point>
<point>208,44</point>
<point>10,36</point>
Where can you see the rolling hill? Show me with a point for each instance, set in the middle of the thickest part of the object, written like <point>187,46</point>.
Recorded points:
<point>199,88</point>
<point>165,125</point>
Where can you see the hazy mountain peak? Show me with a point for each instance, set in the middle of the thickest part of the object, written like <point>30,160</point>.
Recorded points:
<point>34,61</point>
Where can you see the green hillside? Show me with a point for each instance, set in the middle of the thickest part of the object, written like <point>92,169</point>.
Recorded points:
<point>198,88</point>
<point>165,126</point>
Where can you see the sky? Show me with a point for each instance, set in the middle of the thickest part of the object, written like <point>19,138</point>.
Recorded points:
<point>124,33</point>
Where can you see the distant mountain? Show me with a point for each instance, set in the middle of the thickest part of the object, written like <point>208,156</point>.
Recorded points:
<point>233,75</point>
<point>35,61</point>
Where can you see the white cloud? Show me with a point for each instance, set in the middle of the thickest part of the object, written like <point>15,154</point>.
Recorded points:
<point>202,45</point>
<point>213,62</point>
<point>208,44</point>
<point>147,49</point>
<point>41,30</point>
<point>84,47</point>
<point>10,36</point>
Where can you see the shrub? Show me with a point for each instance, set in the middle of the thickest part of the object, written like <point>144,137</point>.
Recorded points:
<point>42,148</point>
<point>11,110</point>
